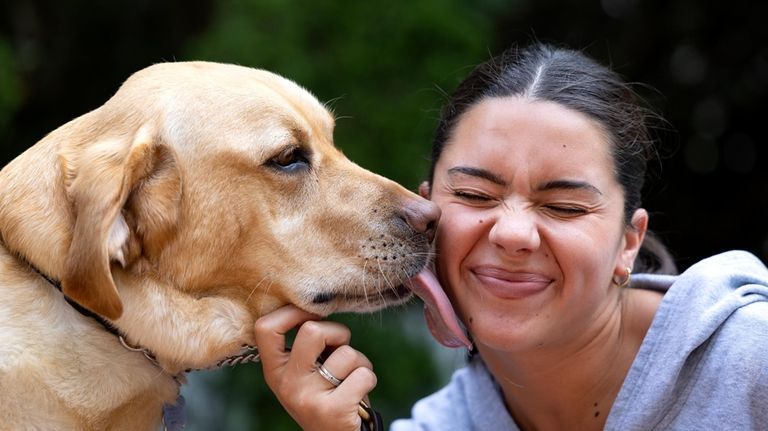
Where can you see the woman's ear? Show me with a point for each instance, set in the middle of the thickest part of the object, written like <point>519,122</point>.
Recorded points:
<point>634,234</point>
<point>425,190</point>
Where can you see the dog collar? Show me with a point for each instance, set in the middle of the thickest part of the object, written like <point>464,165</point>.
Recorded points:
<point>247,353</point>
<point>174,415</point>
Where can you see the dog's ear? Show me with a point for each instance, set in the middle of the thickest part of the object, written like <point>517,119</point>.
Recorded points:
<point>123,190</point>
<point>154,204</point>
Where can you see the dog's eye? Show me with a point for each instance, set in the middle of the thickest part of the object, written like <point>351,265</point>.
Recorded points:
<point>290,160</point>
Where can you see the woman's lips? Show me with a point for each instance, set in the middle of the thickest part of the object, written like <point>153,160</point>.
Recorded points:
<point>511,284</point>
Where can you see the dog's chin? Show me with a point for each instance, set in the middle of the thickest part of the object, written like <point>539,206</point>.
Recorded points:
<point>325,303</point>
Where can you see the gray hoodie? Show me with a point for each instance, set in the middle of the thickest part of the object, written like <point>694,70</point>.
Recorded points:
<point>703,364</point>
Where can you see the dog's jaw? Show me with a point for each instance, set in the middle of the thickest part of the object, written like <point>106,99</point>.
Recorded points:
<point>359,304</point>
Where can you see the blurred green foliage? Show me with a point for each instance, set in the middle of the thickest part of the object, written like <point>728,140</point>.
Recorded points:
<point>380,65</point>
<point>9,84</point>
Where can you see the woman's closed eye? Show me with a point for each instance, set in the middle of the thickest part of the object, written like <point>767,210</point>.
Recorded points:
<point>471,196</point>
<point>566,210</point>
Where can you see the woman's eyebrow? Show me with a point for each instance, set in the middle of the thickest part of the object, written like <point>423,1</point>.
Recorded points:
<point>549,185</point>
<point>569,185</point>
<point>477,172</point>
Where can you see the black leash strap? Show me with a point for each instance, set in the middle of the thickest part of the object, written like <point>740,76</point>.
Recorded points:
<point>371,419</point>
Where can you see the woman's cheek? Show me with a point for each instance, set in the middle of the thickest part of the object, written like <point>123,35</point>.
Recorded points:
<point>458,234</point>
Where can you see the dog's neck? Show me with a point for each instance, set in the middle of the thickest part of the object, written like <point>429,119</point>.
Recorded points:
<point>91,315</point>
<point>247,353</point>
<point>63,370</point>
<point>79,308</point>
<point>173,414</point>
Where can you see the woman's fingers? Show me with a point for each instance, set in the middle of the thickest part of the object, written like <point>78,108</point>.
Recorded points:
<point>270,331</point>
<point>293,375</point>
<point>352,379</point>
<point>271,328</point>
<point>314,338</point>
<point>344,360</point>
<point>356,385</point>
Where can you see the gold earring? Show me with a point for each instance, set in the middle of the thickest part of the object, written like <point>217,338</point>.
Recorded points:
<point>625,282</point>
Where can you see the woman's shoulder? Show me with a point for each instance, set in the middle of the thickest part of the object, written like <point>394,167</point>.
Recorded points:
<point>726,292</point>
<point>717,289</point>
<point>445,409</point>
<point>725,270</point>
<point>723,380</point>
<point>719,284</point>
<point>742,338</point>
<point>703,359</point>
<point>471,401</point>
<point>736,265</point>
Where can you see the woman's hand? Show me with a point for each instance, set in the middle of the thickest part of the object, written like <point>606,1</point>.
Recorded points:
<point>313,401</point>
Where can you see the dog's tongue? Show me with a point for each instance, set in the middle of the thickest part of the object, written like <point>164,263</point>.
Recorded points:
<point>441,319</point>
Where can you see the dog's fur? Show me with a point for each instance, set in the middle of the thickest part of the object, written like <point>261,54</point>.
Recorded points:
<point>198,198</point>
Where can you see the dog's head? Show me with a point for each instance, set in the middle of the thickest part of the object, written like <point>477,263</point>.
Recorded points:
<point>203,183</point>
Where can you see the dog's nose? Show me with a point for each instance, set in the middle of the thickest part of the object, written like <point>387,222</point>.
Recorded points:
<point>422,216</point>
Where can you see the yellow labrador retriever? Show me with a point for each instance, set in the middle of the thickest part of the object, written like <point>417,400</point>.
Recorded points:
<point>199,197</point>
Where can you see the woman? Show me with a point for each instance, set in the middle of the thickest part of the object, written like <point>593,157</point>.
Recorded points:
<point>538,165</point>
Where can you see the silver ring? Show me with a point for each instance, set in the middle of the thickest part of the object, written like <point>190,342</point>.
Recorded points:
<point>328,376</point>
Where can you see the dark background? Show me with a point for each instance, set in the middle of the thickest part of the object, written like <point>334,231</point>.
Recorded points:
<point>386,66</point>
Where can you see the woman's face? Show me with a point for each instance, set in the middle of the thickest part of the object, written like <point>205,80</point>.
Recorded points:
<point>532,228</point>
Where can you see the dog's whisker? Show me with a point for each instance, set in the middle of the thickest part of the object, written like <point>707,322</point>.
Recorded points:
<point>386,282</point>
<point>366,281</point>
<point>256,287</point>
<point>384,275</point>
<point>381,272</point>
<point>365,290</point>
<point>266,292</point>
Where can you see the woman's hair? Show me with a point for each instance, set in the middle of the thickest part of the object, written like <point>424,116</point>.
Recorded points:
<point>575,81</point>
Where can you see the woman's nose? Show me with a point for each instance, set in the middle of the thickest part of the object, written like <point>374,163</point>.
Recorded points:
<point>515,231</point>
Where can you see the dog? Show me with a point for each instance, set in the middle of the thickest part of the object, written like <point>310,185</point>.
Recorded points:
<point>196,199</point>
